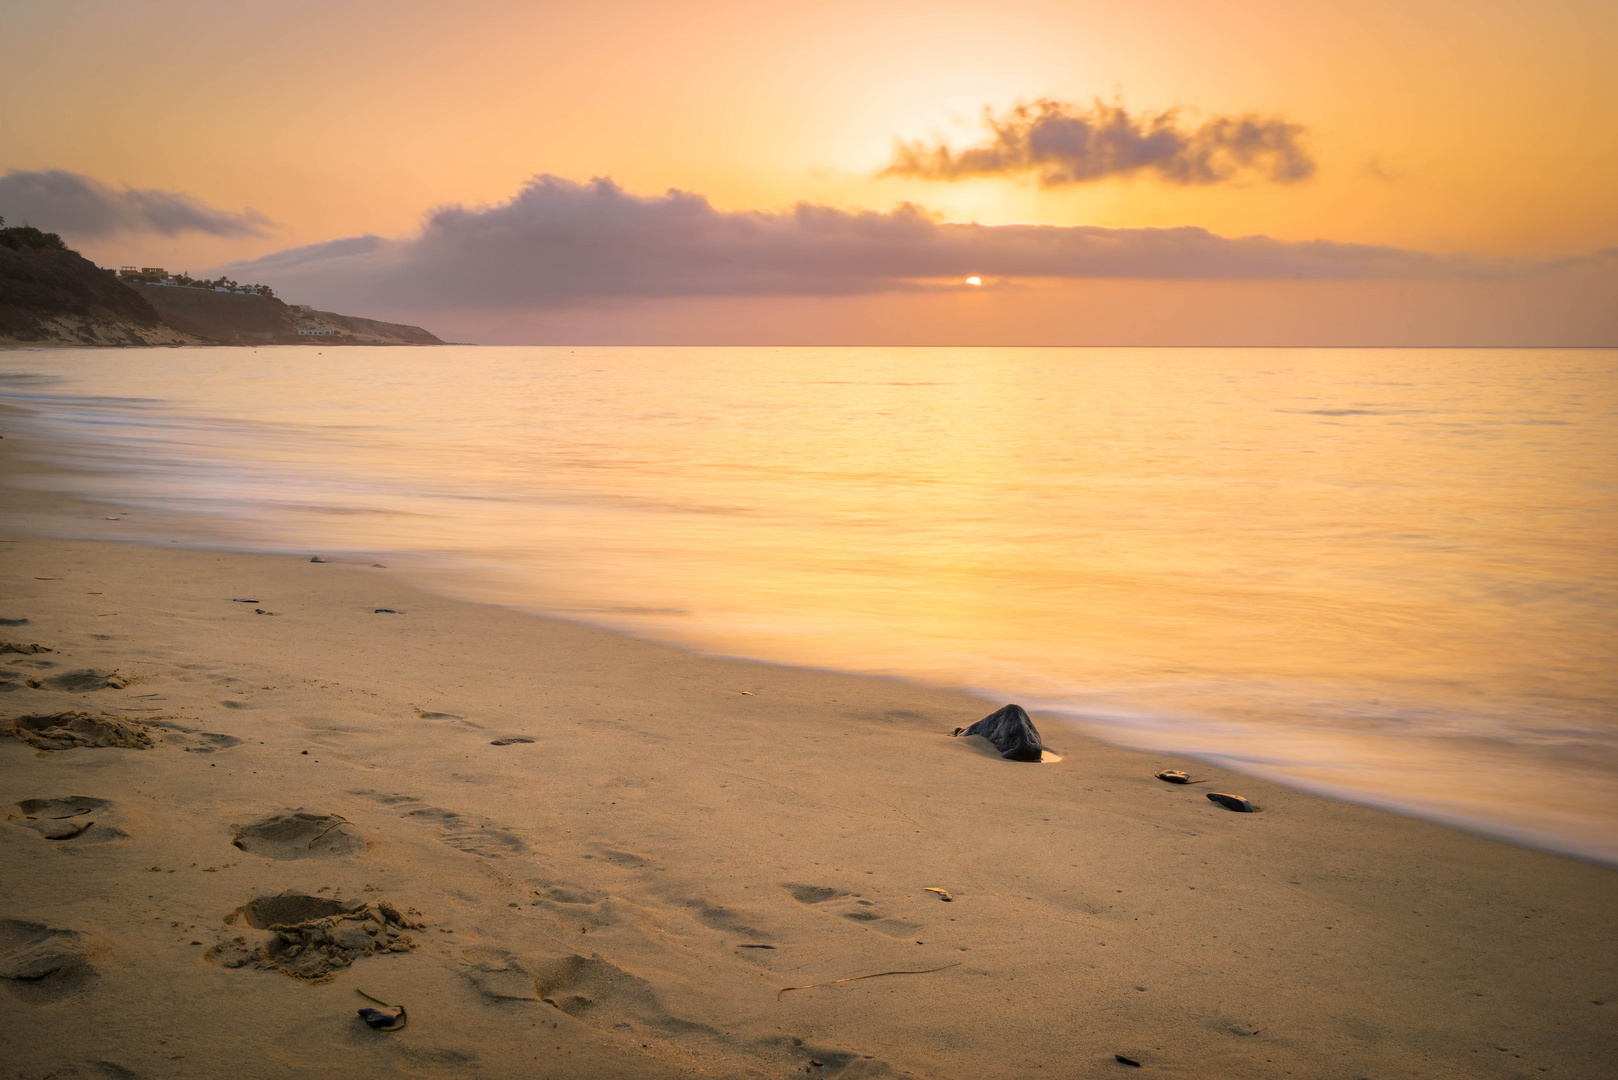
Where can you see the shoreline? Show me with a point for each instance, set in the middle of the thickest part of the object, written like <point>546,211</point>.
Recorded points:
<point>1578,840</point>
<point>673,812</point>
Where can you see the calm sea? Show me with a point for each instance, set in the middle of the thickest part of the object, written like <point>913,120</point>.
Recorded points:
<point>1390,575</point>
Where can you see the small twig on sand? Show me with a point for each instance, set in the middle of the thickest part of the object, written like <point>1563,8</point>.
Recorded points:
<point>857,978</point>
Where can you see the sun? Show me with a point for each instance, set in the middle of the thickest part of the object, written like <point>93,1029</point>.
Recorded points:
<point>974,280</point>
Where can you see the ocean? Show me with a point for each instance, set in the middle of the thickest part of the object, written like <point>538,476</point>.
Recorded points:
<point>1386,575</point>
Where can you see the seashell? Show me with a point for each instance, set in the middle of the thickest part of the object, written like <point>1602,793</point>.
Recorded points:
<point>387,1018</point>
<point>1231,802</point>
<point>1174,776</point>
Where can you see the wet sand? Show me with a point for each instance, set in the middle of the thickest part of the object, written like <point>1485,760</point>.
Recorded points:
<point>572,854</point>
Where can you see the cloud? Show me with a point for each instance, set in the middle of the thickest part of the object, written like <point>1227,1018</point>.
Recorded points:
<point>560,243</point>
<point>1064,144</point>
<point>70,203</point>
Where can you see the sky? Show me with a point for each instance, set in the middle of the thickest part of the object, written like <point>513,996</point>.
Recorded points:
<point>1160,172</point>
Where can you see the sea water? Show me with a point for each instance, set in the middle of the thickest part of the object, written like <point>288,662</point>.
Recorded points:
<point>1383,574</point>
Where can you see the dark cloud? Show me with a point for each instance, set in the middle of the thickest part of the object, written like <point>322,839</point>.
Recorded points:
<point>66,202</point>
<point>1062,144</point>
<point>559,243</point>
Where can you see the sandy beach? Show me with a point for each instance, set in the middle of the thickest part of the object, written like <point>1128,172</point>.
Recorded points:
<point>572,854</point>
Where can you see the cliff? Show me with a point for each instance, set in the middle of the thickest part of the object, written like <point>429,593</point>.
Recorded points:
<point>240,319</point>
<point>52,295</point>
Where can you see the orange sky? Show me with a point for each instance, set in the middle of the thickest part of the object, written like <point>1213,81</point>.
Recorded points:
<point>1439,126</point>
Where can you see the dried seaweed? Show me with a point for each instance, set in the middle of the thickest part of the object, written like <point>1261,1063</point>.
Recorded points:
<point>857,978</point>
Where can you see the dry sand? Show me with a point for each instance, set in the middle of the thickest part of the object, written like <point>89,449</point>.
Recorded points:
<point>625,894</point>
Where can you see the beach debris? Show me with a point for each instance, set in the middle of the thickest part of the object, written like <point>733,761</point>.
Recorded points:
<point>67,730</point>
<point>27,650</point>
<point>510,740</point>
<point>755,946</point>
<point>1011,732</point>
<point>317,558</point>
<point>13,622</point>
<point>1122,1060</point>
<point>857,978</point>
<point>387,611</point>
<point>244,600</point>
<point>387,1018</point>
<point>311,938</point>
<point>379,566</point>
<point>261,611</point>
<point>943,894</point>
<point>1175,776</point>
<point>300,834</point>
<point>1232,802</point>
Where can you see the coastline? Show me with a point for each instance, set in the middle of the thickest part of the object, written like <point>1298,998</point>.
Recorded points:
<point>673,809</point>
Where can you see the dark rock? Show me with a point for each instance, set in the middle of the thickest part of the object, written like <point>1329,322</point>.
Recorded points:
<point>1011,732</point>
<point>391,1018</point>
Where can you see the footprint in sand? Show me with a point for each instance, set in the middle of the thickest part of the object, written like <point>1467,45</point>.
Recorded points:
<point>813,894</point>
<point>719,917</point>
<point>475,836</point>
<point>22,674</point>
<point>589,988</point>
<point>602,993</point>
<point>85,680</point>
<point>851,906</point>
<point>300,834</point>
<point>312,938</point>
<point>26,650</point>
<point>93,1070</point>
<point>500,975</point>
<point>70,730</point>
<point>40,962</point>
<point>599,992</point>
<point>77,817</point>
